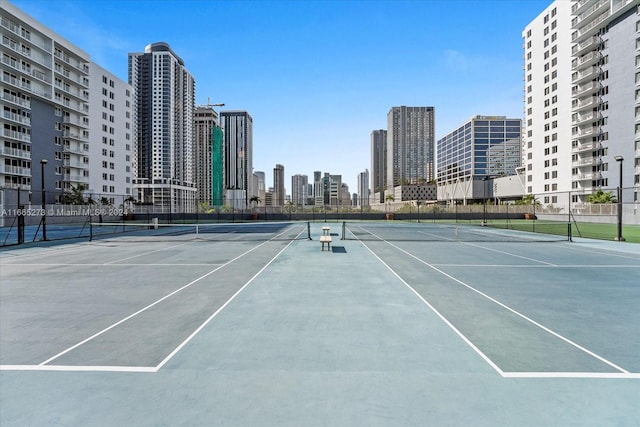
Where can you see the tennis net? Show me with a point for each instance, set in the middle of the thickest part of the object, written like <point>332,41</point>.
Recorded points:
<point>452,232</point>
<point>226,232</point>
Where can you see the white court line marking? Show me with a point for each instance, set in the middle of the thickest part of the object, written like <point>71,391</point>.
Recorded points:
<point>604,375</point>
<point>544,328</point>
<point>509,253</point>
<point>517,313</point>
<point>145,253</point>
<point>148,306</point>
<point>38,251</point>
<point>453,328</point>
<point>206,322</point>
<point>538,266</point>
<point>612,252</point>
<point>69,368</point>
<point>111,265</point>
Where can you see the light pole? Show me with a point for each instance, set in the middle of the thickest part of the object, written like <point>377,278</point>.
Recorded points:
<point>484,200</point>
<point>44,207</point>
<point>619,238</point>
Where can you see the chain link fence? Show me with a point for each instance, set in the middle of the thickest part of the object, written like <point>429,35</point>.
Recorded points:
<point>24,218</point>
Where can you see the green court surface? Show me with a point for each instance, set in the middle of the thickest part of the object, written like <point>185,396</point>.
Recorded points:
<point>485,331</point>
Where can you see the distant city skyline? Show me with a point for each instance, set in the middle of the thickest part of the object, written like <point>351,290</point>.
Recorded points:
<point>311,75</point>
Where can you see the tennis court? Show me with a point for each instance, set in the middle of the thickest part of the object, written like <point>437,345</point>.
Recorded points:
<point>398,324</point>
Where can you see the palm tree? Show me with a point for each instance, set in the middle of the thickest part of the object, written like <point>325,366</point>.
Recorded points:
<point>254,200</point>
<point>389,198</point>
<point>601,197</point>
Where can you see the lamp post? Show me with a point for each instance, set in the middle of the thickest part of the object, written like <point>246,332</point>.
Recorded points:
<point>484,200</point>
<point>44,207</point>
<point>619,237</point>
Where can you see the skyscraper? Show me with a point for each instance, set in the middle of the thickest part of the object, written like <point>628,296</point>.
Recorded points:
<point>163,108</point>
<point>547,83</point>
<point>238,157</point>
<point>363,188</point>
<point>299,184</point>
<point>278,185</point>
<point>379,162</point>
<point>63,115</point>
<point>410,145</point>
<point>581,99</point>
<point>209,157</point>
<point>111,131</point>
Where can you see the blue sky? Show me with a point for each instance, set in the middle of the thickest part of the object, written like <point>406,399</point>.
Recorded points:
<point>318,76</point>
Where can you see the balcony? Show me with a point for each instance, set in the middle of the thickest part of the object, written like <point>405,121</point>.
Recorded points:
<point>587,146</point>
<point>82,67</point>
<point>585,89</point>
<point>82,95</point>
<point>16,100</point>
<point>74,150</point>
<point>75,178</point>
<point>587,45</point>
<point>589,29</point>
<point>587,74</point>
<point>585,117</point>
<point>14,170</point>
<point>585,103</point>
<point>584,132</point>
<point>74,164</point>
<point>72,77</point>
<point>588,59</point>
<point>16,152</point>
<point>20,136</point>
<point>589,13</point>
<point>587,176</point>
<point>580,6</point>
<point>588,161</point>
<point>17,118</point>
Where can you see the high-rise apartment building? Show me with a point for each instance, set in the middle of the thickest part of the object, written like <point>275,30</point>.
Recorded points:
<point>237,127</point>
<point>164,104</point>
<point>209,161</point>
<point>45,103</point>
<point>410,145</point>
<point>318,192</point>
<point>330,192</point>
<point>379,162</point>
<point>299,185</point>
<point>63,116</point>
<point>363,189</point>
<point>278,186</point>
<point>483,147</point>
<point>547,85</point>
<point>581,99</point>
<point>605,65</point>
<point>112,136</point>
<point>261,186</point>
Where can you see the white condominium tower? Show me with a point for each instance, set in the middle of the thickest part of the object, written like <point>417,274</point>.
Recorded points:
<point>582,99</point>
<point>112,135</point>
<point>410,146</point>
<point>163,109</point>
<point>62,115</point>
<point>45,103</point>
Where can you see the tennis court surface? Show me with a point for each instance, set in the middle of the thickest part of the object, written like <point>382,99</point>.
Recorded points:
<point>397,324</point>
